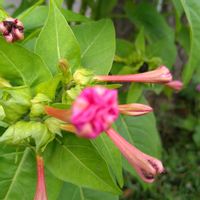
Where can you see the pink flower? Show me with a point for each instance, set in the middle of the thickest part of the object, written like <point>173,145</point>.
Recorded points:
<point>146,166</point>
<point>94,111</point>
<point>198,87</point>
<point>41,187</point>
<point>175,84</point>
<point>159,75</point>
<point>12,29</point>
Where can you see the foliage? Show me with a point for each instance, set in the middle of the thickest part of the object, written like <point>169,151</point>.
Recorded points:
<point>79,168</point>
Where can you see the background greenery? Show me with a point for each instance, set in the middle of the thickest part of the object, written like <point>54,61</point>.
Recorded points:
<point>139,35</point>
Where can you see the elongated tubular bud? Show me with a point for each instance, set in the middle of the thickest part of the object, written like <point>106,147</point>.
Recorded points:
<point>134,109</point>
<point>175,85</point>
<point>146,166</point>
<point>62,114</point>
<point>160,75</point>
<point>41,187</point>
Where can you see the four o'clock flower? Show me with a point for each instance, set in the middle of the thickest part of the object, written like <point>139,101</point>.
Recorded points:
<point>12,29</point>
<point>93,112</point>
<point>41,187</point>
<point>160,75</point>
<point>146,166</point>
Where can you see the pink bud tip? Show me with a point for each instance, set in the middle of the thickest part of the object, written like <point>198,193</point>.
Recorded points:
<point>41,187</point>
<point>159,75</point>
<point>135,109</point>
<point>146,166</point>
<point>176,85</point>
<point>94,111</point>
<point>12,29</point>
<point>198,87</point>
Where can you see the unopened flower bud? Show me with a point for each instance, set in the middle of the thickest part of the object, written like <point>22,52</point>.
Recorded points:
<point>135,109</point>
<point>175,85</point>
<point>64,66</point>
<point>12,29</point>
<point>41,193</point>
<point>83,76</point>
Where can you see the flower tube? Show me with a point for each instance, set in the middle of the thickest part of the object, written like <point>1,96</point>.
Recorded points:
<point>160,75</point>
<point>146,166</point>
<point>41,187</point>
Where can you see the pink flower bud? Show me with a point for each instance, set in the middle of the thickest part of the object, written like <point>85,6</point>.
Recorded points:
<point>198,87</point>
<point>41,187</point>
<point>94,111</point>
<point>135,109</point>
<point>146,166</point>
<point>12,29</point>
<point>159,75</point>
<point>176,85</point>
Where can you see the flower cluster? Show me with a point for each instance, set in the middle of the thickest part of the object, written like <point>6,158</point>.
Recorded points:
<point>96,108</point>
<point>12,29</point>
<point>94,111</point>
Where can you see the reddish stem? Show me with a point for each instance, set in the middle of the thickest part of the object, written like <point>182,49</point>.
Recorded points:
<point>41,187</point>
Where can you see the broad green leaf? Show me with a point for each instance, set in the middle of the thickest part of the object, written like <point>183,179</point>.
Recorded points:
<point>134,92</point>
<point>36,18</point>
<point>192,10</point>
<point>111,155</point>
<point>75,192</point>
<point>77,161</point>
<point>21,66</point>
<point>159,35</point>
<point>24,5</point>
<point>29,10</point>
<point>57,41</point>
<point>59,3</point>
<point>97,41</point>
<point>18,175</point>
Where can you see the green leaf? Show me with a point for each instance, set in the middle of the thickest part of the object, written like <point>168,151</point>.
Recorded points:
<point>192,10</point>
<point>78,162</point>
<point>59,3</point>
<point>158,33</point>
<point>97,41</point>
<point>18,175</point>
<point>76,193</point>
<point>36,18</point>
<point>23,67</point>
<point>57,41</point>
<point>134,92</point>
<point>111,155</point>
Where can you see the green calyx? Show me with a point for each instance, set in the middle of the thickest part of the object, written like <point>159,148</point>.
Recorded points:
<point>15,102</point>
